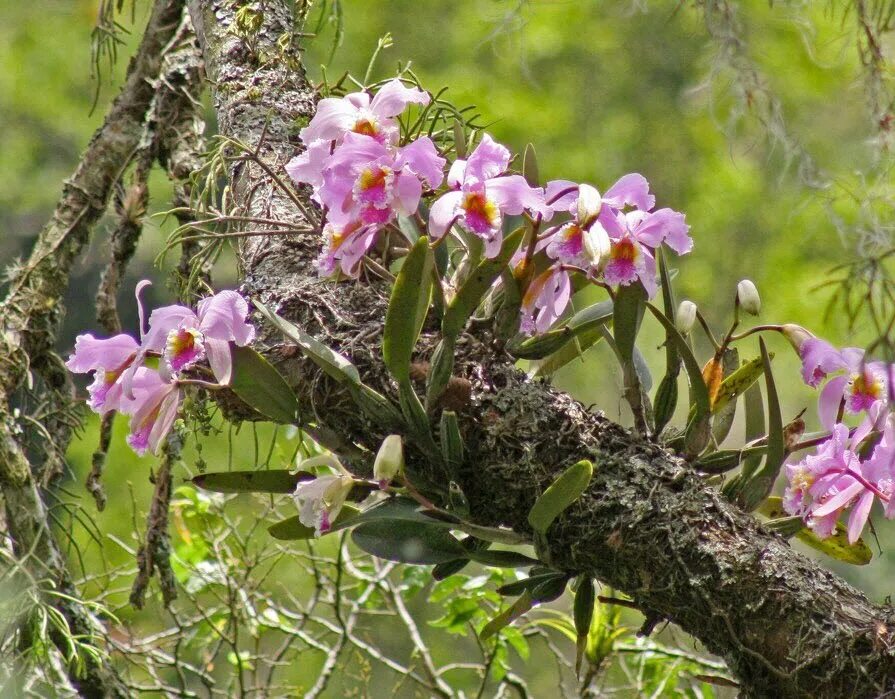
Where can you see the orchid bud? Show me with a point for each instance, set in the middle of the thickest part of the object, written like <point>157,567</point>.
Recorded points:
<point>389,459</point>
<point>796,334</point>
<point>589,204</point>
<point>748,298</point>
<point>596,244</point>
<point>685,317</point>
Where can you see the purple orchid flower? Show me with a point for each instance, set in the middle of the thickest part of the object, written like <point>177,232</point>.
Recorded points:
<point>359,113</point>
<point>632,190</point>
<point>320,500</point>
<point>481,194</point>
<point>582,241</point>
<point>108,358</point>
<point>345,247</point>
<point>635,235</point>
<point>153,410</point>
<point>184,337</point>
<point>544,300</point>
<point>368,183</point>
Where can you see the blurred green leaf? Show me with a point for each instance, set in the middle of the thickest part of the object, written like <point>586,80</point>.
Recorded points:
<point>507,616</point>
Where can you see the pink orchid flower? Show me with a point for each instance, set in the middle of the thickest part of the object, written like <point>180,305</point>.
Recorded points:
<point>359,113</point>
<point>108,358</point>
<point>635,235</point>
<point>153,410</point>
<point>368,183</point>
<point>861,387</point>
<point>184,337</point>
<point>582,241</point>
<point>345,247</point>
<point>631,190</point>
<point>545,300</point>
<point>481,194</point>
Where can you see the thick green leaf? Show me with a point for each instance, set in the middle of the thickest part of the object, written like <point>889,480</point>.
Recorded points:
<point>672,357</point>
<point>586,321</point>
<point>459,139</point>
<point>451,440</point>
<point>376,406</point>
<point>585,597</point>
<point>440,369</point>
<point>391,509</point>
<point>698,429</point>
<point>449,568</point>
<point>291,528</point>
<point>562,492</point>
<point>519,586</point>
<point>331,362</point>
<point>502,559</point>
<point>665,402</point>
<point>260,385</point>
<point>479,282</point>
<point>739,382</point>
<point>407,309</point>
<point>723,418</point>
<point>408,541</point>
<point>627,315</point>
<point>726,459</point>
<point>507,616</point>
<point>275,481</point>
<point>757,487</point>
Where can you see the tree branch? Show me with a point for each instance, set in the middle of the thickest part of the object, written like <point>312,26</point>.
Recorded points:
<point>29,319</point>
<point>647,525</point>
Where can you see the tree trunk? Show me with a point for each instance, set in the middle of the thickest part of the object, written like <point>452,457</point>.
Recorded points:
<point>647,526</point>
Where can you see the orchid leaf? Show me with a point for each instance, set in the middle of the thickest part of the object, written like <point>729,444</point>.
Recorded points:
<point>332,363</point>
<point>522,605</point>
<point>562,492</point>
<point>445,570</point>
<point>697,431</point>
<point>479,283</point>
<point>502,559</point>
<point>273,481</point>
<point>257,382</point>
<point>408,541</point>
<point>726,459</point>
<point>291,528</point>
<point>578,334</point>
<point>756,488</point>
<point>723,417</point>
<point>530,166</point>
<point>583,614</point>
<point>627,315</point>
<point>407,309</point>
<point>533,580</point>
<point>739,382</point>
<point>451,440</point>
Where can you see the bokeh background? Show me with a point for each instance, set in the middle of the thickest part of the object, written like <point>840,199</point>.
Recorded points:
<point>599,88</point>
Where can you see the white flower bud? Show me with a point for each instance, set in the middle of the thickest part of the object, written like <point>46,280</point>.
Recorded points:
<point>748,298</point>
<point>685,317</point>
<point>596,244</point>
<point>589,204</point>
<point>389,459</point>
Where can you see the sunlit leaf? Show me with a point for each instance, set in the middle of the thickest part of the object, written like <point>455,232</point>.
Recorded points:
<point>407,309</point>
<point>507,616</point>
<point>562,492</point>
<point>331,362</point>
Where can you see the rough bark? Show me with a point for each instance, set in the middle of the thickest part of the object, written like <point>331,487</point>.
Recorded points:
<point>29,319</point>
<point>647,525</point>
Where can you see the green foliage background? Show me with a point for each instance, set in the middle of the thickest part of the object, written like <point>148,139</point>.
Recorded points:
<point>599,88</point>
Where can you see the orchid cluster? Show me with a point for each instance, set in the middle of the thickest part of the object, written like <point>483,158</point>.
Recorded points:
<point>854,466</point>
<point>364,180</point>
<point>143,379</point>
